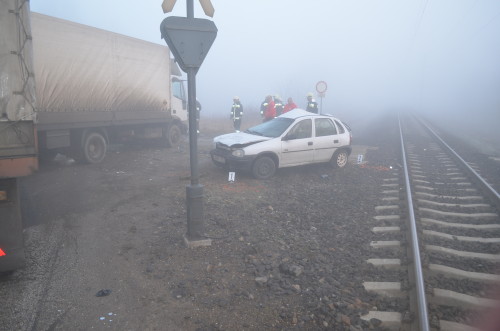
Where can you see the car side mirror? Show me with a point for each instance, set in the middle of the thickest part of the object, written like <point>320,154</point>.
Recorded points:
<point>289,136</point>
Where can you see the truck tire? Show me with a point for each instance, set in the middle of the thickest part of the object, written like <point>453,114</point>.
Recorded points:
<point>173,135</point>
<point>94,147</point>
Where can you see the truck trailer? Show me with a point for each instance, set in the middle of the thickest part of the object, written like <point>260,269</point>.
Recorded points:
<point>73,89</point>
<point>18,145</point>
<point>94,87</point>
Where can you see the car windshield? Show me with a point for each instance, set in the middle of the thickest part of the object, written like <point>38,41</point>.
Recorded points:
<point>273,128</point>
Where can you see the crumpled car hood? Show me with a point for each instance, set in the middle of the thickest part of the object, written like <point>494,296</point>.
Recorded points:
<point>241,139</point>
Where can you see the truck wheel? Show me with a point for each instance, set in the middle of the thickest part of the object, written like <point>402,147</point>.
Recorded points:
<point>94,148</point>
<point>173,135</point>
<point>339,159</point>
<point>264,168</point>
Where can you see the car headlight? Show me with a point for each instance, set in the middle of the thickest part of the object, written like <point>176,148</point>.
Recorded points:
<point>238,153</point>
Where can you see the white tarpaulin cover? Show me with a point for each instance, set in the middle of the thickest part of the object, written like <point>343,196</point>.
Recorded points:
<point>16,83</point>
<point>81,68</point>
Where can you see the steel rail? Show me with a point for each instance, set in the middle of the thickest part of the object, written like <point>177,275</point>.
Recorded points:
<point>423,315</point>
<point>487,187</point>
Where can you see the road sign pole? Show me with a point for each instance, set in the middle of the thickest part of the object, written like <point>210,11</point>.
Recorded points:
<point>194,192</point>
<point>189,39</point>
<point>190,8</point>
<point>193,134</point>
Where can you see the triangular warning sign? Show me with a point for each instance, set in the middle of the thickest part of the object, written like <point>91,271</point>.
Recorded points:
<point>189,39</point>
<point>2,253</point>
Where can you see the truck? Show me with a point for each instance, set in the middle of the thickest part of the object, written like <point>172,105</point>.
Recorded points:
<point>18,138</point>
<point>94,87</point>
<point>74,89</point>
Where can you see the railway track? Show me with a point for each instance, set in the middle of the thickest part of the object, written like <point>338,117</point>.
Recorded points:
<point>438,238</point>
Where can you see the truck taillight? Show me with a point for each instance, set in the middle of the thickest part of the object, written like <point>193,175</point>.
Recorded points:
<point>2,253</point>
<point>3,195</point>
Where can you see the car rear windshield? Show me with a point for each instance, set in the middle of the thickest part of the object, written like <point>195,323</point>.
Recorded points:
<point>273,128</point>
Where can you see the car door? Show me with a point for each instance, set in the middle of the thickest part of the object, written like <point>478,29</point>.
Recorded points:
<point>297,145</point>
<point>326,139</point>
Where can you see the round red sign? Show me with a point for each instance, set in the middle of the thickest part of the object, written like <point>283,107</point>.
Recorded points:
<point>321,87</point>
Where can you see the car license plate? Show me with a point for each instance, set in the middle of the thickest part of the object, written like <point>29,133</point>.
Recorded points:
<point>219,159</point>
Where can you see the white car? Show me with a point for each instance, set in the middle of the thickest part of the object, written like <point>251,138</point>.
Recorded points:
<point>294,138</point>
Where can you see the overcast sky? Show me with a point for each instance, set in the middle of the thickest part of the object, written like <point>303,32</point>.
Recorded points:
<point>432,55</point>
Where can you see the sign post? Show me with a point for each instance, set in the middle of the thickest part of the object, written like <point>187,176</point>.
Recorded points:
<point>189,39</point>
<point>321,88</point>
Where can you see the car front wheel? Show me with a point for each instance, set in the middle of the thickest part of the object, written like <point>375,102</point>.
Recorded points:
<point>339,159</point>
<point>264,168</point>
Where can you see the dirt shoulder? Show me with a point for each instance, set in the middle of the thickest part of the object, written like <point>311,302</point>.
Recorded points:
<point>287,253</point>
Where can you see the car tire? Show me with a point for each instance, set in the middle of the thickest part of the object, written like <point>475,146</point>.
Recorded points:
<point>264,168</point>
<point>339,159</point>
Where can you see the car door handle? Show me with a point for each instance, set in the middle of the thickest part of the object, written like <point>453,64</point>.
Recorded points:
<point>310,143</point>
<point>335,141</point>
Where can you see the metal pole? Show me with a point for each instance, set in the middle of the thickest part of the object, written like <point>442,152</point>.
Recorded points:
<point>194,192</point>
<point>193,134</point>
<point>190,8</point>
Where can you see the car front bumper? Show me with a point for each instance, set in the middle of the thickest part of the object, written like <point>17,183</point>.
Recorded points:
<point>224,158</point>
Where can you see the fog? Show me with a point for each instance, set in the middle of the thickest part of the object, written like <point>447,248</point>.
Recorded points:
<point>438,57</point>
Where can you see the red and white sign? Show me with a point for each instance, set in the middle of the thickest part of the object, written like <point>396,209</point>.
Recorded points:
<point>321,87</point>
<point>207,6</point>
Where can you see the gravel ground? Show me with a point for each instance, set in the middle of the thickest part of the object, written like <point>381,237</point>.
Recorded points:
<point>287,253</point>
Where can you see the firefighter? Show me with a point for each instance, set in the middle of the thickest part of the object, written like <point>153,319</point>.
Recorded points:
<point>236,113</point>
<point>278,105</point>
<point>289,106</point>
<point>267,110</point>
<point>312,106</point>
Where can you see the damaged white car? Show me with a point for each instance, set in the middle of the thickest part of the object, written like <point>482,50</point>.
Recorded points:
<point>295,138</point>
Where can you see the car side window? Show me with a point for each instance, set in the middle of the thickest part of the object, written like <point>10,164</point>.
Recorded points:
<point>340,126</point>
<point>324,127</point>
<point>301,130</point>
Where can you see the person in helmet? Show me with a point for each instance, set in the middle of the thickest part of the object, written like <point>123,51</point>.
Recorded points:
<point>267,109</point>
<point>289,106</point>
<point>236,113</point>
<point>312,105</point>
<point>278,105</point>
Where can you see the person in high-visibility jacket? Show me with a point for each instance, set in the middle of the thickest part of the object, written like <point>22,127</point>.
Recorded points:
<point>312,106</point>
<point>278,105</point>
<point>236,113</point>
<point>267,109</point>
<point>289,106</point>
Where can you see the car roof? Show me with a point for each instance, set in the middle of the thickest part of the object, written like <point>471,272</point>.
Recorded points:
<point>297,113</point>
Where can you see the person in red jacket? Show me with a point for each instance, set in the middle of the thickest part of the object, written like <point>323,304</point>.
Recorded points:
<point>289,106</point>
<point>267,109</point>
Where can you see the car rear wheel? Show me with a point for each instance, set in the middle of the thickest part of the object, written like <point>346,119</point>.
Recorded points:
<point>339,159</point>
<point>264,168</point>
